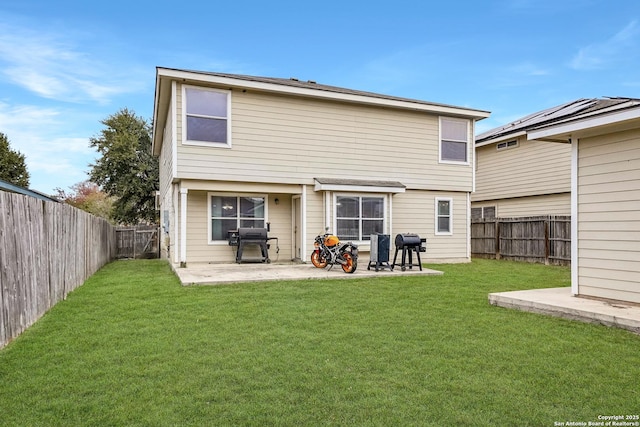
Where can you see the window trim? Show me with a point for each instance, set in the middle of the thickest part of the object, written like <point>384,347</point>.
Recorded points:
<point>384,198</point>
<point>185,141</point>
<point>440,141</point>
<point>437,216</point>
<point>210,241</point>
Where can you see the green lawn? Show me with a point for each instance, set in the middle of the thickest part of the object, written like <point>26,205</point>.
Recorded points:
<point>133,347</point>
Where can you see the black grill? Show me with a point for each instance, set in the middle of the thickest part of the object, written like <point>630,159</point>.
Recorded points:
<point>407,239</point>
<point>252,236</point>
<point>409,243</point>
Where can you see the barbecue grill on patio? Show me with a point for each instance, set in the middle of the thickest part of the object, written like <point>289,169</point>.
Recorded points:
<point>408,244</point>
<point>244,237</point>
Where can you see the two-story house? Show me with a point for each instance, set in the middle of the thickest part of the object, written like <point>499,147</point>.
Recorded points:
<point>605,196</point>
<point>298,156</point>
<point>517,176</point>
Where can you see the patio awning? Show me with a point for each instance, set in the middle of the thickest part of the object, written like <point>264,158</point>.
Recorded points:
<point>359,185</point>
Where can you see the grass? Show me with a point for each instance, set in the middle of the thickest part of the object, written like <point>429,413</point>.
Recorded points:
<point>133,347</point>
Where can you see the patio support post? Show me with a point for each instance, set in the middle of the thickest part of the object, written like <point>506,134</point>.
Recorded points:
<point>327,210</point>
<point>303,207</point>
<point>183,227</point>
<point>574,217</point>
<point>390,226</point>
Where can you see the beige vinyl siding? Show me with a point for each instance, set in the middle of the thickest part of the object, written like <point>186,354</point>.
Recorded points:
<point>414,212</point>
<point>200,250</point>
<point>284,139</point>
<point>165,162</point>
<point>551,204</point>
<point>609,216</point>
<point>315,219</point>
<point>530,169</point>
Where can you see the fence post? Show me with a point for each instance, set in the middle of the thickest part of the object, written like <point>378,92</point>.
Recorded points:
<point>546,241</point>
<point>497,231</point>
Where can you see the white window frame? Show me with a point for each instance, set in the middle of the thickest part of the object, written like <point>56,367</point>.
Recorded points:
<point>237,196</point>
<point>437,216</point>
<point>185,141</point>
<point>467,141</point>
<point>385,202</point>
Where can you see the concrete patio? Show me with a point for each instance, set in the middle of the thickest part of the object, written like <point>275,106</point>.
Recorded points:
<point>218,274</point>
<point>560,303</point>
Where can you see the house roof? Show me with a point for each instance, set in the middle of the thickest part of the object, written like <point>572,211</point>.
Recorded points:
<point>289,86</point>
<point>12,188</point>
<point>574,110</point>
<point>313,85</point>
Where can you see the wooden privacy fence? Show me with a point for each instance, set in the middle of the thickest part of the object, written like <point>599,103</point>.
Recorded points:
<point>140,241</point>
<point>47,249</point>
<point>544,239</point>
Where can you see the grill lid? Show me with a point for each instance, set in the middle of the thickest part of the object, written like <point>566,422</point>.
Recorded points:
<point>407,239</point>
<point>247,233</point>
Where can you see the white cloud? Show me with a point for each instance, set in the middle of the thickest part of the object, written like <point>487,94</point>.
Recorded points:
<point>607,53</point>
<point>56,156</point>
<point>529,69</point>
<point>53,67</point>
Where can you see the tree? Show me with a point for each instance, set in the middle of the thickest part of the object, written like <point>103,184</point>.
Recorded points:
<point>127,170</point>
<point>13,168</point>
<point>88,196</point>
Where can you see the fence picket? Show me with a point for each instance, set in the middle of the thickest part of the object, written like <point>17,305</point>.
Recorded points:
<point>47,250</point>
<point>545,239</point>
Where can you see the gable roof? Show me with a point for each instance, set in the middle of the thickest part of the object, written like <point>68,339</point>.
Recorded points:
<point>574,110</point>
<point>290,86</point>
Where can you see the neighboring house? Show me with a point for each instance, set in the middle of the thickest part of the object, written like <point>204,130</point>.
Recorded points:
<point>605,202</point>
<point>517,176</point>
<point>12,188</point>
<point>297,156</point>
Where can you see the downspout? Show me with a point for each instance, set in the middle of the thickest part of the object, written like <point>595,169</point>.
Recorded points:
<point>574,217</point>
<point>183,227</point>
<point>174,131</point>
<point>175,200</point>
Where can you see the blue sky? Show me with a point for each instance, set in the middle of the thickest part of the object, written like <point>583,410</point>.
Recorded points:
<point>65,65</point>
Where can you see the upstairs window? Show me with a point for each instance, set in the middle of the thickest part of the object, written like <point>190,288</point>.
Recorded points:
<point>454,140</point>
<point>358,217</point>
<point>206,116</point>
